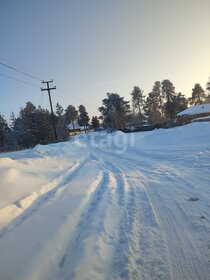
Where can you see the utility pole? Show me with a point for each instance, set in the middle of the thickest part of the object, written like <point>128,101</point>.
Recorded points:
<point>48,90</point>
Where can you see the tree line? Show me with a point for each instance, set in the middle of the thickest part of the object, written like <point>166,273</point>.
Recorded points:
<point>33,125</point>
<point>160,106</point>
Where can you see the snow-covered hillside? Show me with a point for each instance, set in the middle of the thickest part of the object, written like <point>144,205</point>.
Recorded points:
<point>108,206</point>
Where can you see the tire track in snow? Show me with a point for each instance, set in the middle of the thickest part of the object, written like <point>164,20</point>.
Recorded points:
<point>117,177</point>
<point>145,166</point>
<point>61,215</point>
<point>124,256</point>
<point>136,256</point>
<point>45,195</point>
<point>180,247</point>
<point>108,200</point>
<point>119,180</point>
<point>140,253</point>
<point>126,203</point>
<point>85,257</point>
<point>187,259</point>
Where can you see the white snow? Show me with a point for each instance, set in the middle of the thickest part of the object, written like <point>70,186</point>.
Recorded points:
<point>207,118</point>
<point>197,109</point>
<point>108,206</point>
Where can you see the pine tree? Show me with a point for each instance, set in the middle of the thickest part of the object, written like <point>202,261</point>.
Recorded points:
<point>208,90</point>
<point>208,85</point>
<point>154,105</point>
<point>3,127</point>
<point>59,110</point>
<point>138,103</point>
<point>43,125</point>
<point>12,119</point>
<point>21,134</point>
<point>198,95</point>
<point>95,123</point>
<point>114,110</point>
<point>34,126</point>
<point>105,111</point>
<point>83,117</point>
<point>6,139</point>
<point>13,134</point>
<point>27,116</point>
<point>157,91</point>
<point>168,91</point>
<point>152,109</point>
<point>62,131</point>
<point>181,102</point>
<point>71,115</point>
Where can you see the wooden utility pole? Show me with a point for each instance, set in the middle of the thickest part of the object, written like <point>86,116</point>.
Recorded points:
<point>48,90</point>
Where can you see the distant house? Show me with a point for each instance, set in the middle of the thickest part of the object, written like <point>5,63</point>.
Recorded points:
<point>197,113</point>
<point>75,128</point>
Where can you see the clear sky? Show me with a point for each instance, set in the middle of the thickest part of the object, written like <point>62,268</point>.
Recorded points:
<point>91,47</point>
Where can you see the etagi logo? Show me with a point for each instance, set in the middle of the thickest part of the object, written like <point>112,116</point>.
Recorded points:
<point>116,142</point>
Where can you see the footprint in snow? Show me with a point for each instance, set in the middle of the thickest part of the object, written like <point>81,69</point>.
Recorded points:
<point>193,199</point>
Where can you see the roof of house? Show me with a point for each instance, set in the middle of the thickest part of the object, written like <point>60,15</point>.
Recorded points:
<point>196,110</point>
<point>76,126</point>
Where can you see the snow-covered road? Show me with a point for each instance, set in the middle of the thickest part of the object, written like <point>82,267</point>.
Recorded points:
<point>108,207</point>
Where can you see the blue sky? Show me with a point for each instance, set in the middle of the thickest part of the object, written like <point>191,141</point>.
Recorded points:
<point>91,47</point>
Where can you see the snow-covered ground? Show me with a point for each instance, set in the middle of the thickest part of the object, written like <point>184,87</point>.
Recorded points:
<point>108,206</point>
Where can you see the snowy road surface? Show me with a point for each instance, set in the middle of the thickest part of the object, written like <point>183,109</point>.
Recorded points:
<point>108,206</point>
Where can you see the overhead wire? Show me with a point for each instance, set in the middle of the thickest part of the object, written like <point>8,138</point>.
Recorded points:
<point>20,71</point>
<point>18,80</point>
<point>63,95</point>
<point>61,91</point>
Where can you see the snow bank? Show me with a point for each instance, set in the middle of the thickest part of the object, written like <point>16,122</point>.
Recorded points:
<point>26,175</point>
<point>191,135</point>
<point>59,149</point>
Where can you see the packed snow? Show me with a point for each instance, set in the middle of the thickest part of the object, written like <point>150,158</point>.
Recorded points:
<point>108,206</point>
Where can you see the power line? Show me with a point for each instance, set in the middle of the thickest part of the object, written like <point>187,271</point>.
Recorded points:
<point>20,71</point>
<point>18,80</point>
<point>36,78</point>
<point>64,93</point>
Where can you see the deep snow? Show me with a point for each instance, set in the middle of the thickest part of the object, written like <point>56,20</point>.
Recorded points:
<point>108,206</point>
